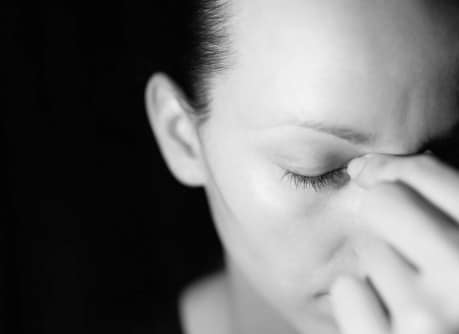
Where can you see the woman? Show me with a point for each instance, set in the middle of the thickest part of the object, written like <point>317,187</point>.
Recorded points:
<point>307,125</point>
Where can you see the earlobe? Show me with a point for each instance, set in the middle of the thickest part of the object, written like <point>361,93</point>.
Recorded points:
<point>175,130</point>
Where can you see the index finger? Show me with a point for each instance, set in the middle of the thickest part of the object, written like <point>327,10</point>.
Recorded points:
<point>434,180</point>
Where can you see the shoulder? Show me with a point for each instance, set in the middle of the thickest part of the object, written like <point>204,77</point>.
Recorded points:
<point>203,306</point>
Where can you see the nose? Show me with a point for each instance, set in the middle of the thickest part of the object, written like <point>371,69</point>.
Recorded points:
<point>352,201</point>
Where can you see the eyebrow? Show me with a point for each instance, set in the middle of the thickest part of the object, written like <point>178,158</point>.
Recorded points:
<point>345,133</point>
<point>363,139</point>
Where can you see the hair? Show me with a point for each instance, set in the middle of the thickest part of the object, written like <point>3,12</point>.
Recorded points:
<point>209,52</point>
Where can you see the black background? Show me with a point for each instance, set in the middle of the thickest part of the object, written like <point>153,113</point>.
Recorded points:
<point>96,235</point>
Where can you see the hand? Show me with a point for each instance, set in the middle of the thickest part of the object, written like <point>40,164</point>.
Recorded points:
<point>412,206</point>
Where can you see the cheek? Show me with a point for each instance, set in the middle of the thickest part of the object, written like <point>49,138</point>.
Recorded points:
<point>267,226</point>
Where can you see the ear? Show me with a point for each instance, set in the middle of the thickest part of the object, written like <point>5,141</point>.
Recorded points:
<point>170,117</point>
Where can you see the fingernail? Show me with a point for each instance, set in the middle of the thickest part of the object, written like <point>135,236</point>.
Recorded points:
<point>356,166</point>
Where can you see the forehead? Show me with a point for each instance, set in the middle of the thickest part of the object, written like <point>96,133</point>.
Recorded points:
<point>406,32</point>
<point>361,32</point>
<point>340,59</point>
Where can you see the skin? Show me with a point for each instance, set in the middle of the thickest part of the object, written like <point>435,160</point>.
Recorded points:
<point>296,63</point>
<point>415,277</point>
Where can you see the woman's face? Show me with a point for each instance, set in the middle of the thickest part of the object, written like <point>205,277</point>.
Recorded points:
<point>315,84</point>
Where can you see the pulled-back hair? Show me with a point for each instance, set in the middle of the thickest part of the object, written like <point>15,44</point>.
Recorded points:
<point>208,51</point>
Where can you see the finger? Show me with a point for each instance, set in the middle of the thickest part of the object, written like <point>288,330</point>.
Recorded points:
<point>413,226</point>
<point>395,280</point>
<point>403,293</point>
<point>357,309</point>
<point>436,181</point>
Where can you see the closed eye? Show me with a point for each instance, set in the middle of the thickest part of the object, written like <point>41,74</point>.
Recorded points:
<point>332,179</point>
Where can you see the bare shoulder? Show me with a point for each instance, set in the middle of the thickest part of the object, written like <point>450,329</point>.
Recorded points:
<point>203,306</point>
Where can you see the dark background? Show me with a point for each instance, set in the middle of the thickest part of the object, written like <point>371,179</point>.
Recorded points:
<point>96,235</point>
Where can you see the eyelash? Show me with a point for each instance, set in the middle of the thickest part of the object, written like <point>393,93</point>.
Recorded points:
<point>335,178</point>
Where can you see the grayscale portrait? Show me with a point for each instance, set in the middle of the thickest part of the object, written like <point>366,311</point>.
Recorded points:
<point>318,130</point>
<point>230,167</point>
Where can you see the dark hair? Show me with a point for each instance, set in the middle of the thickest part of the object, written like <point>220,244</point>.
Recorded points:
<point>208,52</point>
